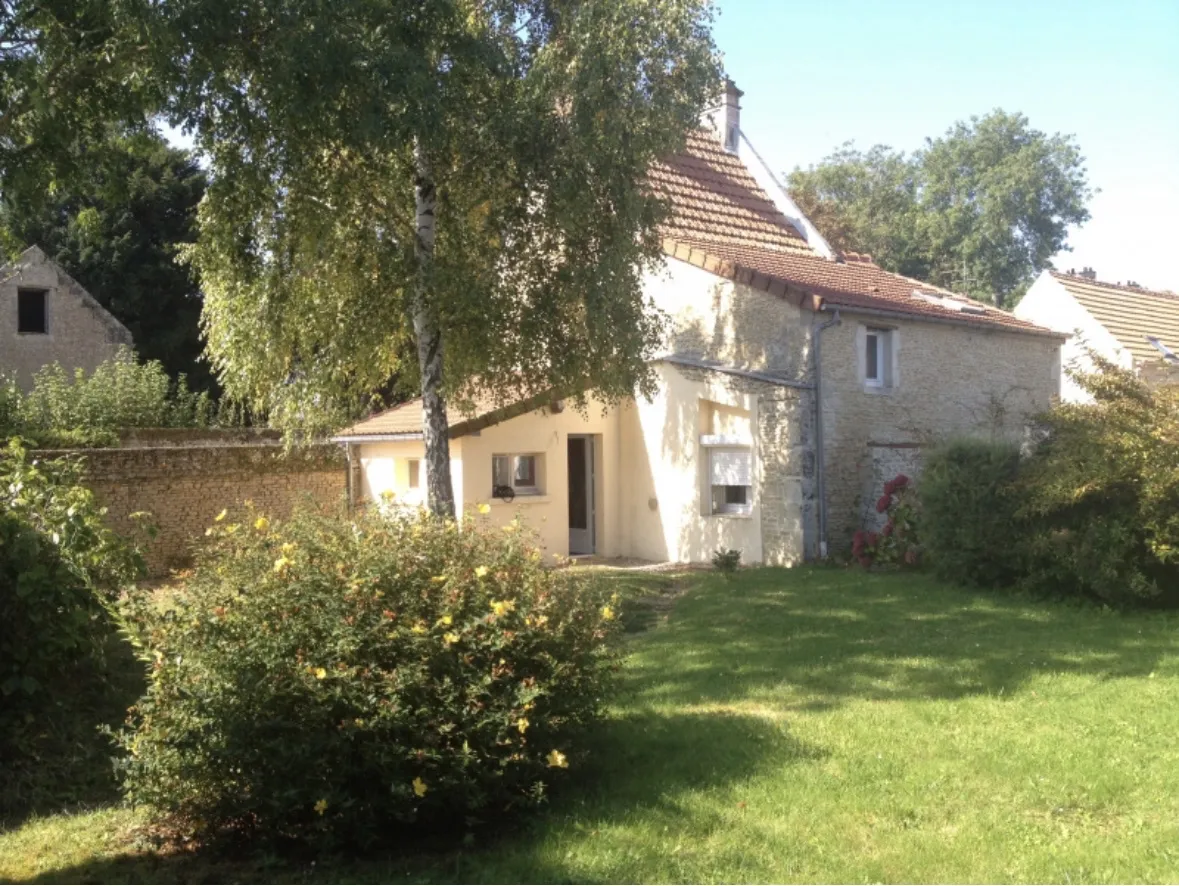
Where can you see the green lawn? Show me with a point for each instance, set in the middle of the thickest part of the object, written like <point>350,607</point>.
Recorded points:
<point>811,725</point>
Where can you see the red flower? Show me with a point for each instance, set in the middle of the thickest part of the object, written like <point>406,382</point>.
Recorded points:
<point>883,502</point>
<point>865,560</point>
<point>858,541</point>
<point>873,538</point>
<point>887,530</point>
<point>900,482</point>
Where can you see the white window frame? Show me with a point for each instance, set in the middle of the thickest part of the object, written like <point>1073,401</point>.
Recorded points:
<point>514,459</point>
<point>718,492</point>
<point>882,369</point>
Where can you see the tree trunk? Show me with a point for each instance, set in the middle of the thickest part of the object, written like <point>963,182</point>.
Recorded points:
<point>439,490</point>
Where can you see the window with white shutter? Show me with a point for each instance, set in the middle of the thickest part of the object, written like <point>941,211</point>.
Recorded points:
<point>730,476</point>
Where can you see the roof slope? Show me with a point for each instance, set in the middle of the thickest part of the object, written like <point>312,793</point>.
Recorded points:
<point>724,222</point>
<point>1130,313</point>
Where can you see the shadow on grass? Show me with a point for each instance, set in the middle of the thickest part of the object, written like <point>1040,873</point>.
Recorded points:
<point>58,760</point>
<point>640,766</point>
<point>839,635</point>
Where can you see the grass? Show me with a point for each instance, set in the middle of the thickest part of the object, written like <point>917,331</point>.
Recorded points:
<point>808,725</point>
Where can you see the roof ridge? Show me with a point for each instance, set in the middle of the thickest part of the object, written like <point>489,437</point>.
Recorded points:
<point>1125,287</point>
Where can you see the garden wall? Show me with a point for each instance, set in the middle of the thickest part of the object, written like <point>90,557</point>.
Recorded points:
<point>184,479</point>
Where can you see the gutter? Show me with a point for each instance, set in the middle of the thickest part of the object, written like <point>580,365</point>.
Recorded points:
<point>378,438</point>
<point>981,325</point>
<point>817,359</point>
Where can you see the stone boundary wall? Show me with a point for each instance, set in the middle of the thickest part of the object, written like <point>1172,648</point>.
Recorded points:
<point>184,487</point>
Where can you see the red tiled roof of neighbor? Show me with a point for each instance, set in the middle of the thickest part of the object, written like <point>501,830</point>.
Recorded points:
<point>724,222</point>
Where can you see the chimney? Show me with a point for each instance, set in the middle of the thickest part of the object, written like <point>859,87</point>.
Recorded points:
<point>1089,274</point>
<point>726,116</point>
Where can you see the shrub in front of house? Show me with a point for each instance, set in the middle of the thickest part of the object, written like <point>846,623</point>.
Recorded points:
<point>1101,494</point>
<point>969,523</point>
<point>60,568</point>
<point>334,679</point>
<point>897,543</point>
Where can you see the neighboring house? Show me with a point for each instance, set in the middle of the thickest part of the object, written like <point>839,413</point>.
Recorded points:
<point>1131,327</point>
<point>766,324</point>
<point>45,316</point>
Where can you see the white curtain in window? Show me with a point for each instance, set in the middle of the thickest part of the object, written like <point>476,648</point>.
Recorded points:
<point>731,467</point>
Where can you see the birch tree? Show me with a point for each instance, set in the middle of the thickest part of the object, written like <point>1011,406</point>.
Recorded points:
<point>444,195</point>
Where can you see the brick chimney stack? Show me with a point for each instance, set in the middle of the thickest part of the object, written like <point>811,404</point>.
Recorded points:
<point>1088,274</point>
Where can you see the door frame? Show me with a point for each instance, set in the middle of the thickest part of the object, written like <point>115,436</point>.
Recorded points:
<point>590,469</point>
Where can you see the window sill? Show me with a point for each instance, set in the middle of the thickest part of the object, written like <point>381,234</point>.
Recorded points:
<point>521,500</point>
<point>725,516</point>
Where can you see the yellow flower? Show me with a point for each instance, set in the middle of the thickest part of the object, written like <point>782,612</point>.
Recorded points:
<point>608,613</point>
<point>419,787</point>
<point>484,509</point>
<point>288,547</point>
<point>447,620</point>
<point>261,524</point>
<point>438,579</point>
<point>232,528</point>
<point>320,673</point>
<point>451,638</point>
<point>419,628</point>
<point>281,564</point>
<point>481,571</point>
<point>224,513</point>
<point>502,607</point>
<point>321,806</point>
<point>522,724</point>
<point>557,760</point>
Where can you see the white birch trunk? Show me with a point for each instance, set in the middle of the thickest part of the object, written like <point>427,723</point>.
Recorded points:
<point>439,490</point>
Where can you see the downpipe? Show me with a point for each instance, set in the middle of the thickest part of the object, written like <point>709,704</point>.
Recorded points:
<point>820,471</point>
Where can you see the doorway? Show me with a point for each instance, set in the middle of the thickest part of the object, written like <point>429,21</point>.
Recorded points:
<point>581,494</point>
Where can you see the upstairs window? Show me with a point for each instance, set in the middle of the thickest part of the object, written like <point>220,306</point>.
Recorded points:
<point>515,474</point>
<point>32,314</point>
<point>878,358</point>
<point>730,475</point>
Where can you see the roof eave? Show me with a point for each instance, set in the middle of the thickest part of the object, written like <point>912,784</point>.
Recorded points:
<point>981,324</point>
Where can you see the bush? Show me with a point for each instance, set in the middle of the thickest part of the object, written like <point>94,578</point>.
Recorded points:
<point>726,560</point>
<point>64,409</point>
<point>969,505</point>
<point>329,678</point>
<point>897,543</point>
<point>59,567</point>
<point>1101,494</point>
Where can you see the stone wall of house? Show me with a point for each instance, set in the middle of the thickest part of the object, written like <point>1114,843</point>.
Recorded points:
<point>947,380</point>
<point>731,323</point>
<point>184,487</point>
<point>80,333</point>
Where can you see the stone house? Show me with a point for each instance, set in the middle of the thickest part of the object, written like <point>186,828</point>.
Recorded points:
<point>46,316</point>
<point>794,382</point>
<point>1130,326</point>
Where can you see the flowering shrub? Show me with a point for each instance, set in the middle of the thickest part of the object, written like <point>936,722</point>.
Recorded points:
<point>896,543</point>
<point>328,678</point>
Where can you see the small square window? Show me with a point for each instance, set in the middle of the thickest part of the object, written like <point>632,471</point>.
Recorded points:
<point>415,473</point>
<point>519,473</point>
<point>32,315</point>
<point>730,474</point>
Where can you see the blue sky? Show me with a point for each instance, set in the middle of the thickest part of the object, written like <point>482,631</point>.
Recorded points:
<point>823,72</point>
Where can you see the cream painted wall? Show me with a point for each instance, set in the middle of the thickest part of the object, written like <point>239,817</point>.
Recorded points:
<point>384,471</point>
<point>1048,303</point>
<point>546,435</point>
<point>665,514</point>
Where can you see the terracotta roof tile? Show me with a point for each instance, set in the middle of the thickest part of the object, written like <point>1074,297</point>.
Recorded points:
<point>724,222</point>
<point>1130,313</point>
